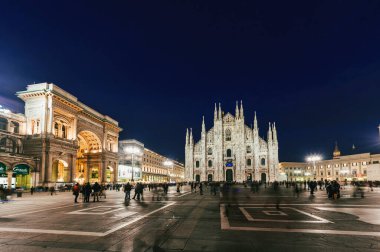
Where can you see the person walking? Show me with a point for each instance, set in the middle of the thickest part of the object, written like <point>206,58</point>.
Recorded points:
<point>127,191</point>
<point>96,188</point>
<point>200,188</point>
<point>87,192</point>
<point>76,192</point>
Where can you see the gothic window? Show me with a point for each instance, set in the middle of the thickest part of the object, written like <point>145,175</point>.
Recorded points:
<point>249,150</point>
<point>197,164</point>
<point>229,153</point>
<point>38,126</point>
<point>33,125</point>
<point>228,135</point>
<point>249,162</point>
<point>64,134</point>
<point>209,151</point>
<point>263,161</point>
<point>3,124</point>
<point>210,163</point>
<point>56,129</point>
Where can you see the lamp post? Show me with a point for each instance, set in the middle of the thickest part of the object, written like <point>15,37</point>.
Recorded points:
<point>36,160</point>
<point>168,164</point>
<point>313,159</point>
<point>133,151</point>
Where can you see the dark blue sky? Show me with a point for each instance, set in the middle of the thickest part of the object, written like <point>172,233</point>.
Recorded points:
<point>313,67</point>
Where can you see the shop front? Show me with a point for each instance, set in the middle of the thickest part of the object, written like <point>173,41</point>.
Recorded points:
<point>21,173</point>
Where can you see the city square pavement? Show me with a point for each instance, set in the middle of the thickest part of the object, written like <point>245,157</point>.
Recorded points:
<point>233,220</point>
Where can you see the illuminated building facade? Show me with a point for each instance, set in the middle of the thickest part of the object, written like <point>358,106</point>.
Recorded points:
<point>231,151</point>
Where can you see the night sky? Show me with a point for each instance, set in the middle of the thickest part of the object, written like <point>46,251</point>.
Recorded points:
<point>313,67</point>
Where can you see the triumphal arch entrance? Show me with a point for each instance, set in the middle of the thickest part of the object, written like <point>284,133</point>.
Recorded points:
<point>73,142</point>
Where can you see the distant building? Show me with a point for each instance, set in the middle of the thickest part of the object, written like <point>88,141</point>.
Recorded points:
<point>231,150</point>
<point>147,165</point>
<point>349,167</point>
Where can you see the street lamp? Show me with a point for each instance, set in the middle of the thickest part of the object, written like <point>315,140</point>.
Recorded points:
<point>133,151</point>
<point>36,160</point>
<point>169,164</point>
<point>313,159</point>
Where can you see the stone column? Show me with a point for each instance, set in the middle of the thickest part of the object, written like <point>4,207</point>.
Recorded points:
<point>10,173</point>
<point>103,171</point>
<point>115,173</point>
<point>48,168</point>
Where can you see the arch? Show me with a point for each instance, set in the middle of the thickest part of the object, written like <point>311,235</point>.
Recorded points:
<point>197,164</point>
<point>89,142</point>
<point>262,161</point>
<point>56,127</point>
<point>263,178</point>
<point>16,127</point>
<point>198,178</point>
<point>3,124</point>
<point>209,177</point>
<point>210,163</point>
<point>60,171</point>
<point>64,131</point>
<point>229,153</point>
<point>228,135</point>
<point>229,175</point>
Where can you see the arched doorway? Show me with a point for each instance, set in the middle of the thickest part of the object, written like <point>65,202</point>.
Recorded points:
<point>263,178</point>
<point>90,148</point>
<point>209,178</point>
<point>109,174</point>
<point>198,178</point>
<point>60,171</point>
<point>229,175</point>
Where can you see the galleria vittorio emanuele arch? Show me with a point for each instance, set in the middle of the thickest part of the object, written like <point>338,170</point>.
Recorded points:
<point>63,140</point>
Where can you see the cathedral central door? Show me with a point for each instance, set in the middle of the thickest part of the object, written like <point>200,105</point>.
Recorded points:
<point>263,178</point>
<point>229,175</point>
<point>197,178</point>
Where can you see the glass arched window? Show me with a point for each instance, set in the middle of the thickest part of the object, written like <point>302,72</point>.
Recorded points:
<point>197,164</point>
<point>210,163</point>
<point>228,135</point>
<point>249,162</point>
<point>263,161</point>
<point>209,151</point>
<point>229,153</point>
<point>3,124</point>
<point>64,133</point>
<point>56,129</point>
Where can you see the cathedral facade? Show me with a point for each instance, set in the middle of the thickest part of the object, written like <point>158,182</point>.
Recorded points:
<point>231,151</point>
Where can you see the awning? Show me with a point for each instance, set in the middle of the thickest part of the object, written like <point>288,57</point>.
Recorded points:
<point>21,169</point>
<point>3,168</point>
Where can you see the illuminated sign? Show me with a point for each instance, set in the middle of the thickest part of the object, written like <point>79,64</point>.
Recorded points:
<point>125,172</point>
<point>3,168</point>
<point>21,169</point>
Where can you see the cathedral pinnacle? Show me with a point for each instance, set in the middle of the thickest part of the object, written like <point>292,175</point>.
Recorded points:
<point>255,122</point>
<point>241,109</point>
<point>336,152</point>
<point>274,133</point>
<point>203,124</point>
<point>237,110</point>
<point>187,136</point>
<point>220,112</point>
<point>270,134</point>
<point>215,113</point>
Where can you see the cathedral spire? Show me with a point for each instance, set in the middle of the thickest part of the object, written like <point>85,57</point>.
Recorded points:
<point>203,124</point>
<point>237,110</point>
<point>220,112</point>
<point>274,133</point>
<point>191,140</point>
<point>241,109</point>
<point>270,134</point>
<point>187,136</point>
<point>215,113</point>
<point>255,123</point>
